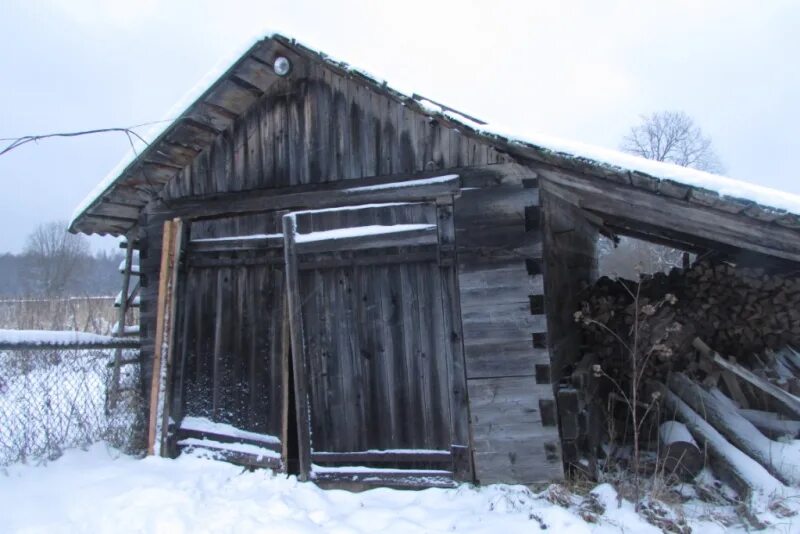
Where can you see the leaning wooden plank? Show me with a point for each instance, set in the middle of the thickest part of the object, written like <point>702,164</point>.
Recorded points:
<point>780,459</point>
<point>295,308</point>
<point>169,331</point>
<point>790,402</point>
<point>66,340</point>
<point>158,383</point>
<point>743,473</point>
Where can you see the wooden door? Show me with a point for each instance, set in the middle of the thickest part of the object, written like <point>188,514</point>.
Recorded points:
<point>230,383</point>
<point>376,343</point>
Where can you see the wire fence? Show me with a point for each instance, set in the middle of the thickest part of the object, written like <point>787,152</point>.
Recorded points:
<point>54,399</point>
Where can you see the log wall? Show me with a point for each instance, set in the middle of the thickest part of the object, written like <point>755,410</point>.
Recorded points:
<point>499,238</point>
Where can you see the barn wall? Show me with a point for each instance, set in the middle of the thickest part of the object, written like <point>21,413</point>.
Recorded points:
<point>327,128</point>
<point>320,128</point>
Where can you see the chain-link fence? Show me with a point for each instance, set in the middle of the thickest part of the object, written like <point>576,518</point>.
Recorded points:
<point>53,399</point>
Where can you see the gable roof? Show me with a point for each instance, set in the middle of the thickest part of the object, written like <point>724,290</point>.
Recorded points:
<point>114,205</point>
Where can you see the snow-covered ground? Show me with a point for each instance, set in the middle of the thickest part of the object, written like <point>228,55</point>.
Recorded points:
<point>100,490</point>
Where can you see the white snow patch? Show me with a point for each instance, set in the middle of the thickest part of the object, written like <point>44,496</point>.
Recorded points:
<point>99,490</point>
<point>246,448</point>
<point>253,237</point>
<point>375,229</point>
<point>400,185</point>
<point>202,424</point>
<point>354,207</point>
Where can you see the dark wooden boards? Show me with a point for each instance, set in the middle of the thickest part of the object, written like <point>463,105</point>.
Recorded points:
<point>377,369</point>
<point>231,338</point>
<point>325,128</point>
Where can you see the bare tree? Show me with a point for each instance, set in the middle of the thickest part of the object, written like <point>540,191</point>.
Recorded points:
<point>54,258</point>
<point>673,137</point>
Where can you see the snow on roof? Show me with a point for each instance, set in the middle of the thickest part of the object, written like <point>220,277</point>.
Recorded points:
<point>613,159</point>
<point>160,127</point>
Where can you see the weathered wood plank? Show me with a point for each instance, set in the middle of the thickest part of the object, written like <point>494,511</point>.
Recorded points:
<point>617,200</point>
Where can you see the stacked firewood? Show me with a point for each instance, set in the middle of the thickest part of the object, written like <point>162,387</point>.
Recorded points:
<point>714,349</point>
<point>741,312</point>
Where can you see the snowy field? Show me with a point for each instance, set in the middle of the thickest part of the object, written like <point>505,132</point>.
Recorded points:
<point>101,490</point>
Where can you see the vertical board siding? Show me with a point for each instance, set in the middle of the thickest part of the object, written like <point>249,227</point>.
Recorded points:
<point>231,347</point>
<point>324,128</point>
<point>376,342</point>
<point>495,245</point>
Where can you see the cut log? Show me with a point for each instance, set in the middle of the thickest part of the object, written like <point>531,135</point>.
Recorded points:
<point>679,451</point>
<point>790,402</point>
<point>732,465</point>
<point>771,425</point>
<point>781,460</point>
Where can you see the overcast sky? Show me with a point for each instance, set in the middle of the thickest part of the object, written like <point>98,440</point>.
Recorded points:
<point>582,70</point>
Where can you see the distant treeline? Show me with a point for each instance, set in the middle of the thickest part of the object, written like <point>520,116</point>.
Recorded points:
<point>23,275</point>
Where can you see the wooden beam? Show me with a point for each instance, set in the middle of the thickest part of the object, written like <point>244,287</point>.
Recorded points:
<point>670,214</point>
<point>385,457</point>
<point>407,188</point>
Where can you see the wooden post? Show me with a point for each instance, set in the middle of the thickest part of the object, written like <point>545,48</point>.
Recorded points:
<point>298,347</point>
<point>165,312</point>
<point>113,396</point>
<point>451,312</point>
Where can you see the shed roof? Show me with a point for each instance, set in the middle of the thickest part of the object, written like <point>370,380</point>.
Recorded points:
<point>223,96</point>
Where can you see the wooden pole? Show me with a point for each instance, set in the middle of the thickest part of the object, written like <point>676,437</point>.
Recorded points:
<point>169,332</point>
<point>121,315</point>
<point>161,343</point>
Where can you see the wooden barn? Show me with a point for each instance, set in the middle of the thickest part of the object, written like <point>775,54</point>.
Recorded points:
<point>356,285</point>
